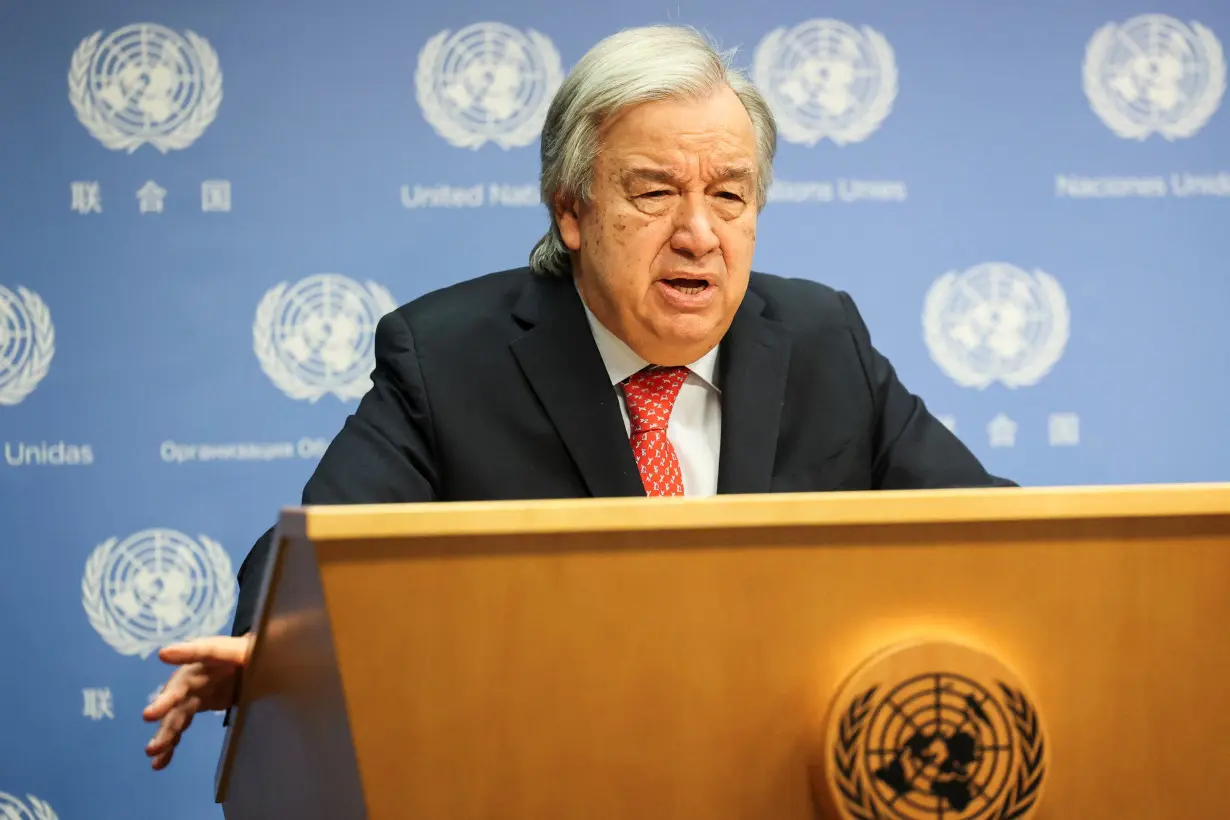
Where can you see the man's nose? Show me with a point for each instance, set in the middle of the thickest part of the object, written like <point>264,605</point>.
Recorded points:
<point>694,234</point>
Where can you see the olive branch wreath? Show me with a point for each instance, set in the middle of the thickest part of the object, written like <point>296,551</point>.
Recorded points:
<point>1022,794</point>
<point>845,756</point>
<point>1025,791</point>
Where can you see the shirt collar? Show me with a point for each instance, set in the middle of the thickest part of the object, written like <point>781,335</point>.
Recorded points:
<point>622,361</point>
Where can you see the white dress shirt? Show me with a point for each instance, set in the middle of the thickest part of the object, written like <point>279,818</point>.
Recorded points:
<point>695,426</point>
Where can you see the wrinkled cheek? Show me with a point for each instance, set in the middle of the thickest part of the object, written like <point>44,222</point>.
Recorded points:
<point>593,232</point>
<point>649,241</point>
<point>748,228</point>
<point>738,244</point>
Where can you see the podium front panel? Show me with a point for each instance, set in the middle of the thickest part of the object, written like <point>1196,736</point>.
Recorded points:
<point>664,659</point>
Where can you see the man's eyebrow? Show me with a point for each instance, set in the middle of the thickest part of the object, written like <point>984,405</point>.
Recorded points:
<point>649,175</point>
<point>725,173</point>
<point>735,173</point>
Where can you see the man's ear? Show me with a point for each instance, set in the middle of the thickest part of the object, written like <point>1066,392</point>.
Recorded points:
<point>567,219</point>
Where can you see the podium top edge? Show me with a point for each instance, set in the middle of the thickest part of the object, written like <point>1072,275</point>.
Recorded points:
<point>824,509</point>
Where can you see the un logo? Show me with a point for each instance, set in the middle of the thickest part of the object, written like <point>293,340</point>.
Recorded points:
<point>935,730</point>
<point>27,343</point>
<point>1154,75</point>
<point>487,81</point>
<point>145,84</point>
<point>824,78</point>
<point>995,322</point>
<point>32,809</point>
<point>157,587</point>
<point>318,336</point>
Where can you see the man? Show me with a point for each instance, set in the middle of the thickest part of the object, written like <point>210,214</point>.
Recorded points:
<point>536,383</point>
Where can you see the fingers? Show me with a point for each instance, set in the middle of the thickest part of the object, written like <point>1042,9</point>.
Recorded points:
<point>214,649</point>
<point>169,731</point>
<point>173,726</point>
<point>162,747</point>
<point>205,679</point>
<point>170,695</point>
<point>176,688</point>
<point>174,707</point>
<point>164,741</point>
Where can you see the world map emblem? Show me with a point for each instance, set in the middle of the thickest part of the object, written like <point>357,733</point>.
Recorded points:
<point>27,343</point>
<point>317,336</point>
<point>826,79</point>
<point>31,808</point>
<point>156,587</point>
<point>487,82</point>
<point>145,83</point>
<point>1154,75</point>
<point>932,730</point>
<point>995,322</point>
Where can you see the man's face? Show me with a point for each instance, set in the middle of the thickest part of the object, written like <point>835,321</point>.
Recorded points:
<point>663,248</point>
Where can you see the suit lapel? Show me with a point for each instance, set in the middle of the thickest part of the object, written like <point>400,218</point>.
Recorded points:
<point>562,363</point>
<point>752,371</point>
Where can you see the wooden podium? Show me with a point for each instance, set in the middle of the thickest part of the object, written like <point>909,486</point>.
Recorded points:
<point>682,658</point>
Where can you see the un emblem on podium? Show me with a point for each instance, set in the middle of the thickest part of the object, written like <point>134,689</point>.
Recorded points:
<point>934,730</point>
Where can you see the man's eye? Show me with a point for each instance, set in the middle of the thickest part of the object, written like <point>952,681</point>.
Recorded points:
<point>652,194</point>
<point>731,196</point>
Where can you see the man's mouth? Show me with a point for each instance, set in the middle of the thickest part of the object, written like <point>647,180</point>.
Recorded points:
<point>688,286</point>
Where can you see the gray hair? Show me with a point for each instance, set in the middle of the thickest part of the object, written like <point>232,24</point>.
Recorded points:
<point>634,66</point>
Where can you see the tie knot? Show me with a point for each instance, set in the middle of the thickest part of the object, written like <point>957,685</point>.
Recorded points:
<point>651,395</point>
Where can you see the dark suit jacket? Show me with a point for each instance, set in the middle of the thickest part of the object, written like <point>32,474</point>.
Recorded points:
<point>494,389</point>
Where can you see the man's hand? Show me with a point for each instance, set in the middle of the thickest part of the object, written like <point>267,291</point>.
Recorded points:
<point>205,681</point>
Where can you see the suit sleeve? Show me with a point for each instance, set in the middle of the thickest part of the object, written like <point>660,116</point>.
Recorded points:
<point>913,450</point>
<point>383,453</point>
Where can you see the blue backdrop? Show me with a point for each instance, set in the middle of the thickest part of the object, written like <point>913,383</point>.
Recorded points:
<point>206,206</point>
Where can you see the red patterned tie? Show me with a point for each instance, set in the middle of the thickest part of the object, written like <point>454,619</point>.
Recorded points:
<point>651,395</point>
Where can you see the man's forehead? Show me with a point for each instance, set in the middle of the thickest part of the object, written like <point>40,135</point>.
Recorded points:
<point>668,170</point>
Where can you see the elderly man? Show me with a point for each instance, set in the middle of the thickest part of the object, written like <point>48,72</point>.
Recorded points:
<point>636,355</point>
